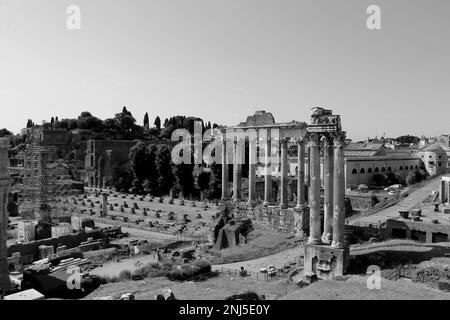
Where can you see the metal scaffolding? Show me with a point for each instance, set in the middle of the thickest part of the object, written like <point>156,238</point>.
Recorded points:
<point>45,193</point>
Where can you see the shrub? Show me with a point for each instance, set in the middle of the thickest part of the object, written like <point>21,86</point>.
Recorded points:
<point>186,272</point>
<point>125,275</point>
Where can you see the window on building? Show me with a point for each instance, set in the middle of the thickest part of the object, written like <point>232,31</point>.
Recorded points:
<point>362,171</point>
<point>439,164</point>
<point>383,169</point>
<point>376,169</point>
<point>411,168</point>
<point>401,168</point>
<point>369,170</point>
<point>354,171</point>
<point>416,167</point>
<point>389,169</point>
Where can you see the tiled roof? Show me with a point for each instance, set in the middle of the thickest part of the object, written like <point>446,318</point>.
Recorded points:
<point>362,146</point>
<point>435,147</point>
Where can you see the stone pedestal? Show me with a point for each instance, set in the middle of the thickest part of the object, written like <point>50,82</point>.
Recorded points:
<point>105,205</point>
<point>325,261</point>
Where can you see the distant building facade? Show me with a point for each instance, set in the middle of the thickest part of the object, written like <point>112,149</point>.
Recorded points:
<point>435,158</point>
<point>102,156</point>
<point>364,160</point>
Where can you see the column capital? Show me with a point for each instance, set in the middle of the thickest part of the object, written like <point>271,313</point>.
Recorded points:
<point>339,139</point>
<point>301,140</point>
<point>328,140</point>
<point>314,139</point>
<point>285,140</point>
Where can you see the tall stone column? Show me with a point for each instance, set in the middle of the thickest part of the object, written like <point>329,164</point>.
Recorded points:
<point>268,171</point>
<point>224,169</point>
<point>308,169</point>
<point>448,192</point>
<point>237,172</point>
<point>301,174</point>
<point>4,191</point>
<point>339,192</point>
<point>252,159</point>
<point>314,190</point>
<point>328,166</point>
<point>284,173</point>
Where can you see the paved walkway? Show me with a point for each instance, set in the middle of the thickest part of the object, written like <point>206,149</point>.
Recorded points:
<point>412,199</point>
<point>277,260</point>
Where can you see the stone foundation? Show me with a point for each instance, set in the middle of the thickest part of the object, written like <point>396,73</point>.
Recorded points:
<point>325,261</point>
<point>290,220</point>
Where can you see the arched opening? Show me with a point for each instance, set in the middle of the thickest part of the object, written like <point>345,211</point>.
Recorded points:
<point>354,171</point>
<point>362,171</point>
<point>416,167</point>
<point>383,169</point>
<point>411,167</point>
<point>389,169</point>
<point>376,170</point>
<point>401,168</point>
<point>369,170</point>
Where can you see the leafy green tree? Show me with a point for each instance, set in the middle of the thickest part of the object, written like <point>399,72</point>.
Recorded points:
<point>203,181</point>
<point>157,123</point>
<point>164,169</point>
<point>88,122</point>
<point>184,178</point>
<point>139,165</point>
<point>150,184</point>
<point>215,182</point>
<point>146,121</point>
<point>5,132</point>
<point>122,177</point>
<point>126,123</point>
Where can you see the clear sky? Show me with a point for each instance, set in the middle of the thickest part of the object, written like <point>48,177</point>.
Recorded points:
<point>223,59</point>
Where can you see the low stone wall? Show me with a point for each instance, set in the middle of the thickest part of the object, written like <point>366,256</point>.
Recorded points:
<point>31,249</point>
<point>284,220</point>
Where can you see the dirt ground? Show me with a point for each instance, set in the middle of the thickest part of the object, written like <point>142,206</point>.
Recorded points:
<point>216,288</point>
<point>355,288</point>
<point>200,215</point>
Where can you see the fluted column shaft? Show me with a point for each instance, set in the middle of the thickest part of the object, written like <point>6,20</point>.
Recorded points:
<point>268,172</point>
<point>237,173</point>
<point>328,166</point>
<point>448,191</point>
<point>284,174</point>
<point>251,170</point>
<point>224,169</point>
<point>301,174</point>
<point>314,190</point>
<point>339,193</point>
